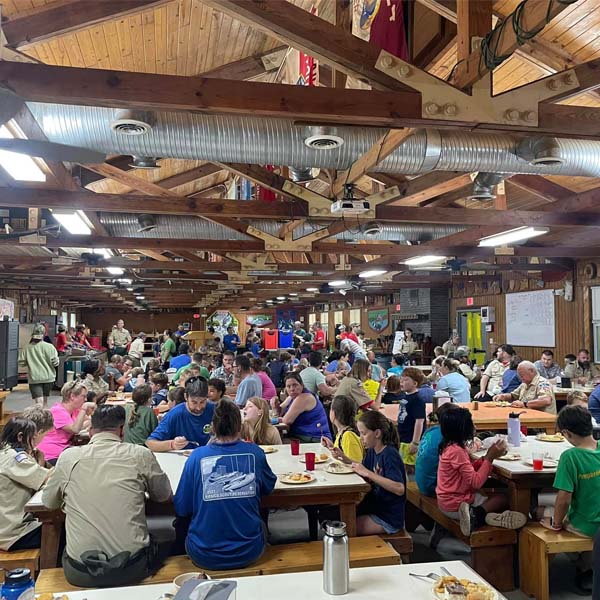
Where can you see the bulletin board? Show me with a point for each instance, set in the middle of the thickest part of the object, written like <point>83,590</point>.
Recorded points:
<point>530,319</point>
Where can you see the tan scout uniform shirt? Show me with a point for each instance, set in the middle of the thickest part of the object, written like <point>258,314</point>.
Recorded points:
<point>494,371</point>
<point>538,388</point>
<point>408,347</point>
<point>468,372</point>
<point>575,370</point>
<point>448,347</point>
<point>120,338</point>
<point>20,478</point>
<point>101,488</point>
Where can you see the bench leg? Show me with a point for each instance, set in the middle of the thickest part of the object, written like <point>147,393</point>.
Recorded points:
<point>51,531</point>
<point>533,566</point>
<point>495,564</point>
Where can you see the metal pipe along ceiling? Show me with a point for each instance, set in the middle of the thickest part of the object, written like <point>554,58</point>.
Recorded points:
<point>231,138</point>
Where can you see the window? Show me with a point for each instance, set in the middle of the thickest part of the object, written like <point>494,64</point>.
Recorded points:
<point>72,320</point>
<point>312,317</point>
<point>355,315</point>
<point>338,317</point>
<point>65,319</point>
<point>324,320</point>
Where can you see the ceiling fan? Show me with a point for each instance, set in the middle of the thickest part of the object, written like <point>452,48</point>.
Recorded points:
<point>10,105</point>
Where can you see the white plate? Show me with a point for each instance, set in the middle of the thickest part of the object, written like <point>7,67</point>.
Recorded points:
<point>490,592</point>
<point>318,459</point>
<point>545,437</point>
<point>286,479</point>
<point>268,449</point>
<point>510,457</point>
<point>549,463</point>
<point>337,468</point>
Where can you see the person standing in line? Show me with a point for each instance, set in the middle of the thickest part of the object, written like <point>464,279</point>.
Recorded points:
<point>118,339</point>
<point>136,349</point>
<point>41,360</point>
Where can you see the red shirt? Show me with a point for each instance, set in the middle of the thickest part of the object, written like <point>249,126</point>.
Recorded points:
<point>319,342</point>
<point>458,478</point>
<point>61,342</point>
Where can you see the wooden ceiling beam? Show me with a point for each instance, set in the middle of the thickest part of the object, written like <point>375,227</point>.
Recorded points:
<point>474,20</point>
<point>306,32</point>
<point>249,67</point>
<point>67,16</point>
<point>504,42</point>
<point>420,189</point>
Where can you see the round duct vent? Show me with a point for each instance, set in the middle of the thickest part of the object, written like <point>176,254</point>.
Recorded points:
<point>144,162</point>
<point>371,229</point>
<point>146,223</point>
<point>323,141</point>
<point>131,123</point>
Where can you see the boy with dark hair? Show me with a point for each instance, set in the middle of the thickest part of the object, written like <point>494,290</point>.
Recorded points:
<point>578,483</point>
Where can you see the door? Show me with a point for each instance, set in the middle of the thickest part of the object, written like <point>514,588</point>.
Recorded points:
<point>472,333</point>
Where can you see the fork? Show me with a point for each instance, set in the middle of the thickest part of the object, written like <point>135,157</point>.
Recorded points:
<point>430,576</point>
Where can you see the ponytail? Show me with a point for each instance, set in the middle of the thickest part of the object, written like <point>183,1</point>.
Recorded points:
<point>140,396</point>
<point>374,420</point>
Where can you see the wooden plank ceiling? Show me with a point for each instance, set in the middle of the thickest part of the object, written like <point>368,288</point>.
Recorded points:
<point>191,38</point>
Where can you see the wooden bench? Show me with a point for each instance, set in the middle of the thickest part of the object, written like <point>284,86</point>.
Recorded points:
<point>536,547</point>
<point>492,548</point>
<point>368,551</point>
<point>401,542</point>
<point>28,559</point>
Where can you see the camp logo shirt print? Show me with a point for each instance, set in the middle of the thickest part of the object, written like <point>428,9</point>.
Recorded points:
<point>228,476</point>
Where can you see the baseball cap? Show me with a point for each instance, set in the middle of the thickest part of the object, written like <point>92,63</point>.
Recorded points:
<point>39,331</point>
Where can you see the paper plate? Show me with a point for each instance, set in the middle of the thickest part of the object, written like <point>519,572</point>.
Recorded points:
<point>319,458</point>
<point>268,449</point>
<point>306,478</point>
<point>337,468</point>
<point>550,437</point>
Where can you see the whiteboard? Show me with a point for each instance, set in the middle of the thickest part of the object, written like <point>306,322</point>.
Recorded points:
<point>530,319</point>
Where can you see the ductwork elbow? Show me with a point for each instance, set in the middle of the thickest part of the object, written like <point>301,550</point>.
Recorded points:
<point>542,151</point>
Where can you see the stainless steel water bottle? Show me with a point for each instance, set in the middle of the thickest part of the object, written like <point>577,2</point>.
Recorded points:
<point>336,558</point>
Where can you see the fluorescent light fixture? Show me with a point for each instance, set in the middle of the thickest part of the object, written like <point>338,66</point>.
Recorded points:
<point>127,281</point>
<point>102,252</point>
<point>312,289</point>
<point>429,268</point>
<point>424,260</point>
<point>372,273</point>
<point>338,283</point>
<point>513,235</point>
<point>19,166</point>
<point>130,289</point>
<point>280,297</point>
<point>141,297</point>
<point>115,270</point>
<point>292,294</point>
<point>72,221</point>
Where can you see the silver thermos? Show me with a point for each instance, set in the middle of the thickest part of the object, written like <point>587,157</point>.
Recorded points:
<point>336,558</point>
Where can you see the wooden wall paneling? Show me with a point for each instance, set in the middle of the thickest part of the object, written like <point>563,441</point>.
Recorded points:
<point>172,25</point>
<point>148,35</point>
<point>183,38</point>
<point>101,48</point>
<point>160,38</point>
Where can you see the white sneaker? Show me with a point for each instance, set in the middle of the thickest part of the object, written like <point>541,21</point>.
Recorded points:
<point>464,515</point>
<point>509,519</point>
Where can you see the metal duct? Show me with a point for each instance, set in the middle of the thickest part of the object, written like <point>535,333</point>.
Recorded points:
<point>484,185</point>
<point>230,138</point>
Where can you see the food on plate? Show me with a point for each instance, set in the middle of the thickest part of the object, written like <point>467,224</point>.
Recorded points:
<point>452,588</point>
<point>502,403</point>
<point>268,449</point>
<point>50,596</point>
<point>323,456</point>
<point>319,458</point>
<point>297,478</point>
<point>510,456</point>
<point>337,467</point>
<point>550,437</point>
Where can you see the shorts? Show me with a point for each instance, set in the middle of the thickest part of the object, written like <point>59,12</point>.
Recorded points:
<point>477,501</point>
<point>407,457</point>
<point>40,390</point>
<point>389,529</point>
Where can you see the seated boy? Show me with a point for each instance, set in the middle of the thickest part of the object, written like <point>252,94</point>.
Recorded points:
<point>578,483</point>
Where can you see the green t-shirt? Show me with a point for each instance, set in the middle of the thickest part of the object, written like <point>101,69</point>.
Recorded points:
<point>578,472</point>
<point>168,349</point>
<point>203,372</point>
<point>145,425</point>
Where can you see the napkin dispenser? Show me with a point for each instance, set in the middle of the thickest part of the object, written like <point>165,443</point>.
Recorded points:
<point>195,589</point>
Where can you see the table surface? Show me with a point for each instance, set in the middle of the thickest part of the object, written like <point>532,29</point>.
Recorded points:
<point>487,415</point>
<point>281,462</point>
<point>369,583</point>
<point>561,391</point>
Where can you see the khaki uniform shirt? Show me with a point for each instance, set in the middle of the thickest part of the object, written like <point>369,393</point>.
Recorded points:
<point>449,347</point>
<point>120,338</point>
<point>137,348</point>
<point>20,478</point>
<point>408,347</point>
<point>575,370</point>
<point>538,388</point>
<point>98,386</point>
<point>468,372</point>
<point>102,490</point>
<point>494,371</point>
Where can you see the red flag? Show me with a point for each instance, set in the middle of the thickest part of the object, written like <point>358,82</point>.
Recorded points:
<point>387,28</point>
<point>264,193</point>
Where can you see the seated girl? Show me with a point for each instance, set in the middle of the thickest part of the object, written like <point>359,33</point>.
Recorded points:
<point>347,441</point>
<point>256,425</point>
<point>460,478</point>
<point>390,390</point>
<point>21,475</point>
<point>141,419</point>
<point>382,509</point>
<point>203,499</point>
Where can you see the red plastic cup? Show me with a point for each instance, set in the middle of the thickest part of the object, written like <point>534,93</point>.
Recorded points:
<point>310,461</point>
<point>524,430</point>
<point>538,461</point>
<point>295,446</point>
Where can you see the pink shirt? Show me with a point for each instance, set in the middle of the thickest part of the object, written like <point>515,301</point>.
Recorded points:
<point>268,389</point>
<point>458,478</point>
<point>58,439</point>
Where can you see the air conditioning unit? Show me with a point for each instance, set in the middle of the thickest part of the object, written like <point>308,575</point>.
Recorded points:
<point>488,314</point>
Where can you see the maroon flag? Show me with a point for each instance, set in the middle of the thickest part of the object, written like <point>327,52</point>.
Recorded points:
<point>387,27</point>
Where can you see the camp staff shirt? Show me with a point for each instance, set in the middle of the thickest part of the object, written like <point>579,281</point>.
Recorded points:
<point>408,347</point>
<point>494,371</point>
<point>578,473</point>
<point>179,421</point>
<point>120,337</point>
<point>538,388</point>
<point>20,478</point>
<point>101,489</point>
<point>576,370</point>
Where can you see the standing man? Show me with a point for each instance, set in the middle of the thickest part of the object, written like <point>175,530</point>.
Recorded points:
<point>299,335</point>
<point>546,366</point>
<point>231,341</point>
<point>118,339</point>
<point>250,384</point>
<point>319,343</point>
<point>41,359</point>
<point>107,545</point>
<point>180,330</point>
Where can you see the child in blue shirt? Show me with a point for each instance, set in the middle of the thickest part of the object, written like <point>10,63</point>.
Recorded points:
<point>220,493</point>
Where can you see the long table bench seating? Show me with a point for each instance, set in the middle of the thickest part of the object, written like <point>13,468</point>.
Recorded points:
<point>492,548</point>
<point>368,551</point>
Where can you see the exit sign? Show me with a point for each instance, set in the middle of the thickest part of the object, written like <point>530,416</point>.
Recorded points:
<point>470,301</point>
<point>397,308</point>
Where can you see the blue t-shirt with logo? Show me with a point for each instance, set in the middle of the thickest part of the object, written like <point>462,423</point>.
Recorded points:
<point>179,421</point>
<point>220,489</point>
<point>227,342</point>
<point>428,458</point>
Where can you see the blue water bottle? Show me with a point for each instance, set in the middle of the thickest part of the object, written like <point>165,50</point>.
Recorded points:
<point>18,585</point>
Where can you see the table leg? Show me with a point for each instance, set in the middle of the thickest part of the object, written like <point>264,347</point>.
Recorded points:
<point>348,516</point>
<point>519,498</point>
<point>1,408</point>
<point>51,531</point>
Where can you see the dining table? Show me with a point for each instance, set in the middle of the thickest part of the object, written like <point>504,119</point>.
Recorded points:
<point>365,583</point>
<point>342,490</point>
<point>488,417</point>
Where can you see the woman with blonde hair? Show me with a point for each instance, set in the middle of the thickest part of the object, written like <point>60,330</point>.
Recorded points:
<point>353,386</point>
<point>256,426</point>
